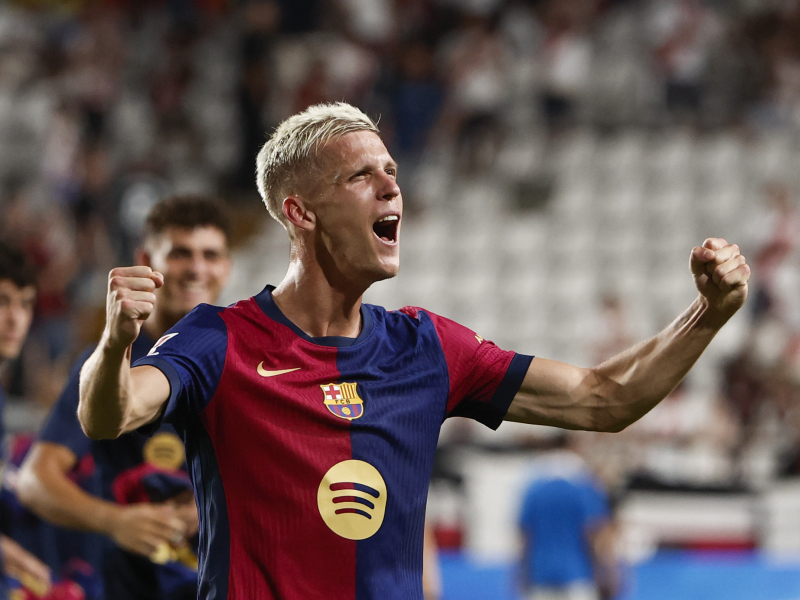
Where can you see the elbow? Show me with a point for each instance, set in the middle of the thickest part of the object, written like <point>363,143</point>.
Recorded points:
<point>33,487</point>
<point>96,431</point>
<point>26,488</point>
<point>99,433</point>
<point>609,419</point>
<point>611,409</point>
<point>613,426</point>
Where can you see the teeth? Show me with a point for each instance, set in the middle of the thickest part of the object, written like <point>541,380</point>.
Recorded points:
<point>389,218</point>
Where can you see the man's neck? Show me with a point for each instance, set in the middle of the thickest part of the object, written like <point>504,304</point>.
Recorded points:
<point>318,308</point>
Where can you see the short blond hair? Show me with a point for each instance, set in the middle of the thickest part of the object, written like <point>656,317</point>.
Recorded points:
<point>291,151</point>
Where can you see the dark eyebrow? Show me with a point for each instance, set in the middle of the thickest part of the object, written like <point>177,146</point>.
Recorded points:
<point>358,170</point>
<point>369,167</point>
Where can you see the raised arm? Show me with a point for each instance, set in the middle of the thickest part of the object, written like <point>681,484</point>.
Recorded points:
<point>616,393</point>
<point>114,398</point>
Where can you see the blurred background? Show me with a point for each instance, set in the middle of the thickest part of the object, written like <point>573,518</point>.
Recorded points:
<point>558,158</point>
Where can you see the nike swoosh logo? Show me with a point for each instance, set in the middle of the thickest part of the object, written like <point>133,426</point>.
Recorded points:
<point>264,373</point>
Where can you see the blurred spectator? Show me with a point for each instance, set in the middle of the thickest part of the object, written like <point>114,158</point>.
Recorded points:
<point>684,31</point>
<point>745,389</point>
<point>566,525</point>
<point>476,61</point>
<point>774,232</point>
<point>261,22</point>
<point>566,56</point>
<point>774,35</point>
<point>17,298</point>
<point>417,101</point>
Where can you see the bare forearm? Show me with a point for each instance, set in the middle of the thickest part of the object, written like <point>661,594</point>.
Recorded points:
<point>616,393</point>
<point>104,392</point>
<point>57,499</point>
<point>629,385</point>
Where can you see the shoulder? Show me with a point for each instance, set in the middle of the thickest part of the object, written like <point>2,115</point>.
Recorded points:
<point>200,331</point>
<point>412,315</point>
<point>202,317</point>
<point>406,319</point>
<point>206,311</point>
<point>422,321</point>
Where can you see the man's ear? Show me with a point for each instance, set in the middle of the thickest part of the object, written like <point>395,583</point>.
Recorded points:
<point>298,214</point>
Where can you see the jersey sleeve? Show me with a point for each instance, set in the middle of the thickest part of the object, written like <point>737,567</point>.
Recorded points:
<point>62,425</point>
<point>483,378</point>
<point>192,356</point>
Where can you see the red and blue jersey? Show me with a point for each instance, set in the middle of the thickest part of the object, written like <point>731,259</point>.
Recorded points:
<point>311,457</point>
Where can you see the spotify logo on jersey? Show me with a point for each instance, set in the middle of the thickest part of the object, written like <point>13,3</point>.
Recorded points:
<point>352,499</point>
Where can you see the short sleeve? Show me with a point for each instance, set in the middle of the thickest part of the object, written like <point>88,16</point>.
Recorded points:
<point>483,378</point>
<point>192,356</point>
<point>62,426</point>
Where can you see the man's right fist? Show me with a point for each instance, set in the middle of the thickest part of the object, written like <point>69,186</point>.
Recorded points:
<point>130,301</point>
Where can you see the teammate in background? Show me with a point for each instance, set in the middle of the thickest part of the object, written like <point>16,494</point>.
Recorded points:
<point>567,532</point>
<point>311,419</point>
<point>17,300</point>
<point>185,239</point>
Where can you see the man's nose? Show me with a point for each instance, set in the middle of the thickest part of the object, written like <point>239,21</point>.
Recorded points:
<point>17,316</point>
<point>198,263</point>
<point>389,188</point>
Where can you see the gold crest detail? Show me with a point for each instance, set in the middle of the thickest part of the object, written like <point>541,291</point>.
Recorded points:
<point>165,451</point>
<point>342,400</point>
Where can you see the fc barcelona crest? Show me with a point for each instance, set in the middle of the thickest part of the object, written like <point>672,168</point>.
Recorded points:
<point>342,400</point>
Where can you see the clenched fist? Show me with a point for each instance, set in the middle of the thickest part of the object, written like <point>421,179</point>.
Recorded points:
<point>131,298</point>
<point>721,274</point>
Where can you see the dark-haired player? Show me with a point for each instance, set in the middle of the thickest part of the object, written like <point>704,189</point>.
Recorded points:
<point>185,239</point>
<point>311,418</point>
<point>17,300</point>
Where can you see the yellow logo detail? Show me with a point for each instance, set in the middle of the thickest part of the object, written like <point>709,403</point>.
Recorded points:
<point>479,338</point>
<point>264,373</point>
<point>342,400</point>
<point>165,451</point>
<point>352,499</point>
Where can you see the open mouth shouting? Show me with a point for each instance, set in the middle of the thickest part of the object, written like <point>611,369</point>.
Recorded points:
<point>386,229</point>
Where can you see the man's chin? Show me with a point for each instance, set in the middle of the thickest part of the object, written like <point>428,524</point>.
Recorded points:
<point>386,272</point>
<point>9,351</point>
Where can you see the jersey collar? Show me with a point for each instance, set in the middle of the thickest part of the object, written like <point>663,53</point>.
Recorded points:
<point>267,304</point>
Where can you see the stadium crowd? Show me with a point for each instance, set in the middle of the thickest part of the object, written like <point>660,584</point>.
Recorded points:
<point>108,106</point>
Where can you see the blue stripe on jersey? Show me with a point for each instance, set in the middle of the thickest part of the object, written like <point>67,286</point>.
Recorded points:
<point>400,443</point>
<point>212,507</point>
